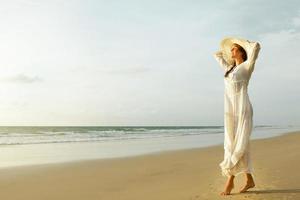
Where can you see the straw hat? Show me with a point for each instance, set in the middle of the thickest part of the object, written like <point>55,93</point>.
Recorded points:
<point>226,45</point>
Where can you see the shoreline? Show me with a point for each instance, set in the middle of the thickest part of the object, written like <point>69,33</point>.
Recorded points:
<point>172,174</point>
<point>52,153</point>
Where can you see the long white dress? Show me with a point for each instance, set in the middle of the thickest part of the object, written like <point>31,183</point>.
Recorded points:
<point>238,114</point>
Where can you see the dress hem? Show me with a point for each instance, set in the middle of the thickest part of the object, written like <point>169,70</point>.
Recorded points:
<point>228,172</point>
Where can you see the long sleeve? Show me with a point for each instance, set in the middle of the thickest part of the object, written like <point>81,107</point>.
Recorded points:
<point>255,48</point>
<point>219,57</point>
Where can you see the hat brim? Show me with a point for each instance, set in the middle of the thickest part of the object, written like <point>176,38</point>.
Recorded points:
<point>226,45</point>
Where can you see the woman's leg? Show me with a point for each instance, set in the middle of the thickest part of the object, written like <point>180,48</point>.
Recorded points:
<point>249,184</point>
<point>229,186</point>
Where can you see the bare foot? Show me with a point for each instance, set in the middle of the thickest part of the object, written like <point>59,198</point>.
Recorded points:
<point>249,185</point>
<point>229,186</point>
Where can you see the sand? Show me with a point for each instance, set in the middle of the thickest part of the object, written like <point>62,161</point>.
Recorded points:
<point>191,174</point>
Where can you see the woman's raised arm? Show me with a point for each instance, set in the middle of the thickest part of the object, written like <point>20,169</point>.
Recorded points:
<point>219,57</point>
<point>255,48</point>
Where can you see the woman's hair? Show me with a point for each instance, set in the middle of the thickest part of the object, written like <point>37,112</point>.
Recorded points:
<point>244,56</point>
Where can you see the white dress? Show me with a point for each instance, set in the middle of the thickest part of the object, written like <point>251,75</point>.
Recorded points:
<point>238,114</point>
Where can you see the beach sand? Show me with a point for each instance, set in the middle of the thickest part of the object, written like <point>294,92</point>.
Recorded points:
<point>191,174</point>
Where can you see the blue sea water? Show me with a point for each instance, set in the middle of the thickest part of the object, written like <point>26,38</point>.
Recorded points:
<point>38,135</point>
<point>14,135</point>
<point>26,145</point>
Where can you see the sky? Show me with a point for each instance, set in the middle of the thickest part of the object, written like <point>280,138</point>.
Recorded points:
<point>142,62</point>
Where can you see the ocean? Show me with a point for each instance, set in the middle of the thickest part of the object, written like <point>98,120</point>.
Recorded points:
<point>27,145</point>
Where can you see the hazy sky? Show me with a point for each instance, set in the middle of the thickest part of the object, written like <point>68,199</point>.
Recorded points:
<point>137,62</point>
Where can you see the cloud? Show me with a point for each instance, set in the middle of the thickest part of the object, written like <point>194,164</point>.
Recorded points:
<point>21,78</point>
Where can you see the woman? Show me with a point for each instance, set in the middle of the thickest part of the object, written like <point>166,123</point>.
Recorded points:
<point>237,58</point>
